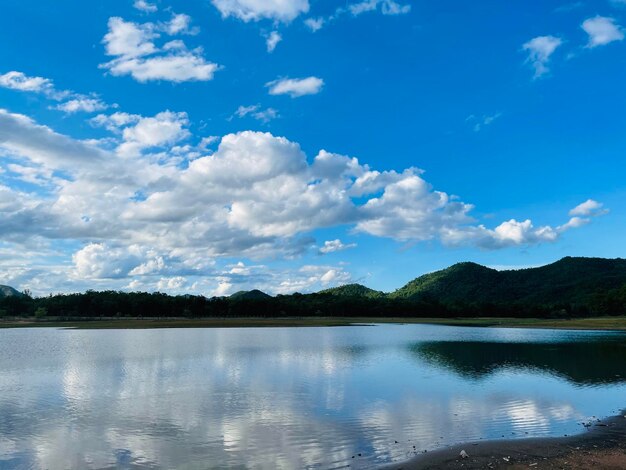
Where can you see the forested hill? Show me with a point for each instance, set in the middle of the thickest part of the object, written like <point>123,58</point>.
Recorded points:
<point>568,281</point>
<point>8,291</point>
<point>353,290</point>
<point>571,287</point>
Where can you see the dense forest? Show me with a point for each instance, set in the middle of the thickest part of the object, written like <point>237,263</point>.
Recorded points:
<point>571,287</point>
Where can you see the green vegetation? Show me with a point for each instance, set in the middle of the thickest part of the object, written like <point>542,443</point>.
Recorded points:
<point>573,288</point>
<point>354,290</point>
<point>583,282</point>
<point>254,294</point>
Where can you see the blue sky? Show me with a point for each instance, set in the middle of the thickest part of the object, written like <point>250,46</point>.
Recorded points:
<point>209,146</point>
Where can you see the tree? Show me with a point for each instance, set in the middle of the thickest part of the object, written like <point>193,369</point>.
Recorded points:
<point>41,312</point>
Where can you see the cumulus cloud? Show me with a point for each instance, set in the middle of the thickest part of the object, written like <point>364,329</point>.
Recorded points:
<point>295,87</point>
<point>165,128</point>
<point>509,233</point>
<point>602,31</point>
<point>136,54</point>
<point>255,10</point>
<point>332,246</point>
<point>272,40</point>
<point>137,212</point>
<point>96,260</point>
<point>539,51</point>
<point>175,283</point>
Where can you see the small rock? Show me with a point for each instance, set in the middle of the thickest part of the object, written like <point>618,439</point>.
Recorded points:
<point>464,455</point>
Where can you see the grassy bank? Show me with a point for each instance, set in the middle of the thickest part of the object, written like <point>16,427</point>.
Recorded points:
<point>599,323</point>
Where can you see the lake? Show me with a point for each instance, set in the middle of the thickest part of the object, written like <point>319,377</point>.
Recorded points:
<point>318,397</point>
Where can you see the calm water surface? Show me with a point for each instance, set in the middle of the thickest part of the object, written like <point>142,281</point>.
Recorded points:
<point>292,397</point>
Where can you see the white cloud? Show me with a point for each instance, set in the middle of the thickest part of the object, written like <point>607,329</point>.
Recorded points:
<point>295,87</point>
<point>315,24</point>
<point>588,208</point>
<point>208,141</point>
<point>40,144</point>
<point>539,51</point>
<point>388,7</point>
<point>145,6</point>
<point>19,81</point>
<point>175,283</point>
<point>135,53</point>
<point>129,39</point>
<point>34,174</point>
<point>73,102</point>
<point>312,277</point>
<point>114,122</point>
<point>85,104</point>
<point>272,40</point>
<point>479,123</point>
<point>602,31</point>
<point>135,214</point>
<point>96,260</point>
<point>334,276</point>
<point>507,234</point>
<point>166,128</point>
<point>331,246</point>
<point>255,10</point>
<point>263,115</point>
<point>179,24</point>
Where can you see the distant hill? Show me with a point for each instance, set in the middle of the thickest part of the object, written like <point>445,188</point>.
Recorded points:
<point>568,281</point>
<point>8,291</point>
<point>254,294</point>
<point>353,290</point>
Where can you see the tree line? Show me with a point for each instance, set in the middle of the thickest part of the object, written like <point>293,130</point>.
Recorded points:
<point>112,304</point>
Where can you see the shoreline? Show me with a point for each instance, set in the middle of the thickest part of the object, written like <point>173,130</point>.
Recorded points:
<point>602,445</point>
<point>597,323</point>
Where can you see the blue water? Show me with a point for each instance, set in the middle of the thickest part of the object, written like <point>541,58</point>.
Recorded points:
<point>292,397</point>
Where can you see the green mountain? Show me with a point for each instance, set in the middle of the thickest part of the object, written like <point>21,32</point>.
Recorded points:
<point>254,294</point>
<point>353,290</point>
<point>8,291</point>
<point>568,281</point>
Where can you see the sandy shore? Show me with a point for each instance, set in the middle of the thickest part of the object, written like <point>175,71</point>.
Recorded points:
<point>601,446</point>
